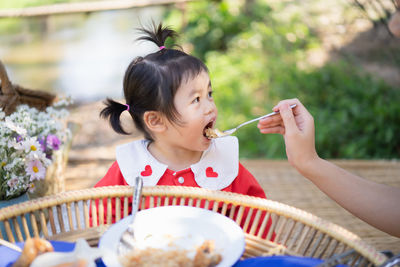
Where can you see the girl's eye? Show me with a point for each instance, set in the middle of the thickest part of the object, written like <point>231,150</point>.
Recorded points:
<point>196,100</point>
<point>210,94</point>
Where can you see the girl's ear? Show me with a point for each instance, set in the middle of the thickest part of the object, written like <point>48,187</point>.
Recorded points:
<point>154,121</point>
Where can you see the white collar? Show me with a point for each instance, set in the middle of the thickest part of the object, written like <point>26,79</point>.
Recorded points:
<point>221,158</point>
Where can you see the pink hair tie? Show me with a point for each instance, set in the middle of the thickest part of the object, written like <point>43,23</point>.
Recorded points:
<point>162,47</point>
<point>127,107</point>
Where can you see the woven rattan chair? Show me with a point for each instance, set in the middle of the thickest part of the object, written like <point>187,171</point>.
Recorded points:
<point>67,216</point>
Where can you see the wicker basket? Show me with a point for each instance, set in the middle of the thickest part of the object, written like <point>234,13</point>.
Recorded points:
<point>12,95</point>
<point>297,232</point>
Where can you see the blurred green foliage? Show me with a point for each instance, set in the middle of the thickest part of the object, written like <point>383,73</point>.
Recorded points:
<point>257,58</point>
<point>355,115</point>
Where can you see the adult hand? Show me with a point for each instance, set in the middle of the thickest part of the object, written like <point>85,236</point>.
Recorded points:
<point>376,204</point>
<point>297,127</point>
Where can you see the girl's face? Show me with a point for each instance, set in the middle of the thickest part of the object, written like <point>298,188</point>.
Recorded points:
<point>195,105</point>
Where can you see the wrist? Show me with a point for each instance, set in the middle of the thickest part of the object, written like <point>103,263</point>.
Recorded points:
<point>310,166</point>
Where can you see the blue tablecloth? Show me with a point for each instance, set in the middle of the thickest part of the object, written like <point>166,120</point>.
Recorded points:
<point>279,261</point>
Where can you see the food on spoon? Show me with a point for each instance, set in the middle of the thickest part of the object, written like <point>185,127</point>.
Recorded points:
<point>213,133</point>
<point>205,257</point>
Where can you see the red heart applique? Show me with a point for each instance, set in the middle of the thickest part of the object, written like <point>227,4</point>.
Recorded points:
<point>210,172</point>
<point>147,171</point>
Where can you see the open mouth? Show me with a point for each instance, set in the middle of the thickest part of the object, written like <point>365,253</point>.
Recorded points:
<point>207,129</point>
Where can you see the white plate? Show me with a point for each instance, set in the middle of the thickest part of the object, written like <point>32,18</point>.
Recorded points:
<point>186,227</point>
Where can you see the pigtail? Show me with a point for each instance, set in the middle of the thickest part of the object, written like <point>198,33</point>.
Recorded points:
<point>158,34</point>
<point>151,82</point>
<point>112,112</point>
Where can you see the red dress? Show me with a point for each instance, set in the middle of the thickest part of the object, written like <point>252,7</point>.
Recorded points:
<point>136,160</point>
<point>245,183</point>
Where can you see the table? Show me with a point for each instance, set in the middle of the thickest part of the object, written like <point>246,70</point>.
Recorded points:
<point>296,232</point>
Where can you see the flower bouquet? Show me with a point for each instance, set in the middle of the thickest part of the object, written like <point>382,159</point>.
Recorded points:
<point>28,140</point>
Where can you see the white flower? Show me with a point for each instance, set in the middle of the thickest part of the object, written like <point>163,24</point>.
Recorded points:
<point>3,142</point>
<point>11,125</point>
<point>31,188</point>
<point>13,182</point>
<point>63,102</point>
<point>35,169</point>
<point>31,144</point>
<point>38,155</point>
<point>16,145</point>
<point>13,164</point>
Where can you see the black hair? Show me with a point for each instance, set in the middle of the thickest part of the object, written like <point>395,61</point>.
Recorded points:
<point>151,82</point>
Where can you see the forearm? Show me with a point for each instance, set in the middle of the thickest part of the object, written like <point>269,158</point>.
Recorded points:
<point>376,204</point>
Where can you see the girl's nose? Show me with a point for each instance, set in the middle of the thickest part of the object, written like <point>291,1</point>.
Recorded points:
<point>210,107</point>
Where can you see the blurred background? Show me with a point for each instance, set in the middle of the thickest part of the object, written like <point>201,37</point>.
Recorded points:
<point>338,57</point>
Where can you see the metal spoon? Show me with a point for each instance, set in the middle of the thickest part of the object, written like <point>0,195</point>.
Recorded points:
<point>127,240</point>
<point>217,133</point>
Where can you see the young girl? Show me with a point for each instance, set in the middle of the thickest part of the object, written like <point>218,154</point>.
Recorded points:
<point>169,96</point>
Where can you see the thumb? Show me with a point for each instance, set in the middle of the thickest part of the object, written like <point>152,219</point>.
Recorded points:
<point>288,118</point>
